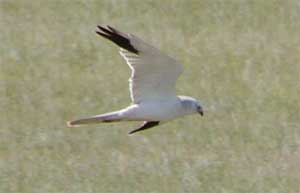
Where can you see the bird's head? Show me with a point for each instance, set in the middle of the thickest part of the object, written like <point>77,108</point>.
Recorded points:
<point>191,105</point>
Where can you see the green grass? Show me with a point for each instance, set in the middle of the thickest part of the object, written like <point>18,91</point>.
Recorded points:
<point>241,60</point>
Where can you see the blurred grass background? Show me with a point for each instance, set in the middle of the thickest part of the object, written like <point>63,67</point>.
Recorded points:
<point>241,60</point>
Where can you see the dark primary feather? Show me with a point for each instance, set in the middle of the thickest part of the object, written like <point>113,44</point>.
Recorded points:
<point>117,37</point>
<point>146,125</point>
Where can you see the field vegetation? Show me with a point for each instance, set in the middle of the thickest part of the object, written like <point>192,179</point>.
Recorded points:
<point>241,59</point>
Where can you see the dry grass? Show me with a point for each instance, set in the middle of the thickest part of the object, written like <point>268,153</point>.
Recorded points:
<point>241,60</point>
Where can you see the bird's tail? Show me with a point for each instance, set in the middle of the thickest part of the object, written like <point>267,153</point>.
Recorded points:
<point>108,117</point>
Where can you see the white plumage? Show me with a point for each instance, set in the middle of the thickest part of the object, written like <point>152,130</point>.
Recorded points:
<point>154,74</point>
<point>151,85</point>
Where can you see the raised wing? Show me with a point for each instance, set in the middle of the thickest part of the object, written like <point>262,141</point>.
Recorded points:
<point>154,74</point>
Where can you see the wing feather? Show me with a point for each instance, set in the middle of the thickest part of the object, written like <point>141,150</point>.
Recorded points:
<point>154,74</point>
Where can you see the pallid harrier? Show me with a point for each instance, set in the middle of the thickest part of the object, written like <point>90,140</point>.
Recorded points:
<point>151,85</point>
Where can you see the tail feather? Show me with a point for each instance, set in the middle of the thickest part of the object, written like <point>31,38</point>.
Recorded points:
<point>108,117</point>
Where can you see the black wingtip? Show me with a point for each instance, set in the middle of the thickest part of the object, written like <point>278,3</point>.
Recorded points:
<point>131,132</point>
<point>146,125</point>
<point>117,37</point>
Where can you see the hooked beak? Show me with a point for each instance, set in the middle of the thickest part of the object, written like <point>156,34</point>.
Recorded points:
<point>201,112</point>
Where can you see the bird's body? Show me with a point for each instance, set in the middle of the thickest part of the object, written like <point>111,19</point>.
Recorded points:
<point>152,111</point>
<point>152,85</point>
<point>162,110</point>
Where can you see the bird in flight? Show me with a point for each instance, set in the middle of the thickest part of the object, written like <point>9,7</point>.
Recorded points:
<point>151,85</point>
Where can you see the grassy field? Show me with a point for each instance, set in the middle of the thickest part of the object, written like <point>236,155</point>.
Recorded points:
<point>241,59</point>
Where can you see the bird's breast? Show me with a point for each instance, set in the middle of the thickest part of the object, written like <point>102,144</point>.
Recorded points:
<point>154,111</point>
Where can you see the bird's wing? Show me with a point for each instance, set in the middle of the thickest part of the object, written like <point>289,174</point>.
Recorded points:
<point>146,125</point>
<point>154,74</point>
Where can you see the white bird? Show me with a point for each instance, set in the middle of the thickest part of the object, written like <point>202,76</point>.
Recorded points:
<point>151,85</point>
